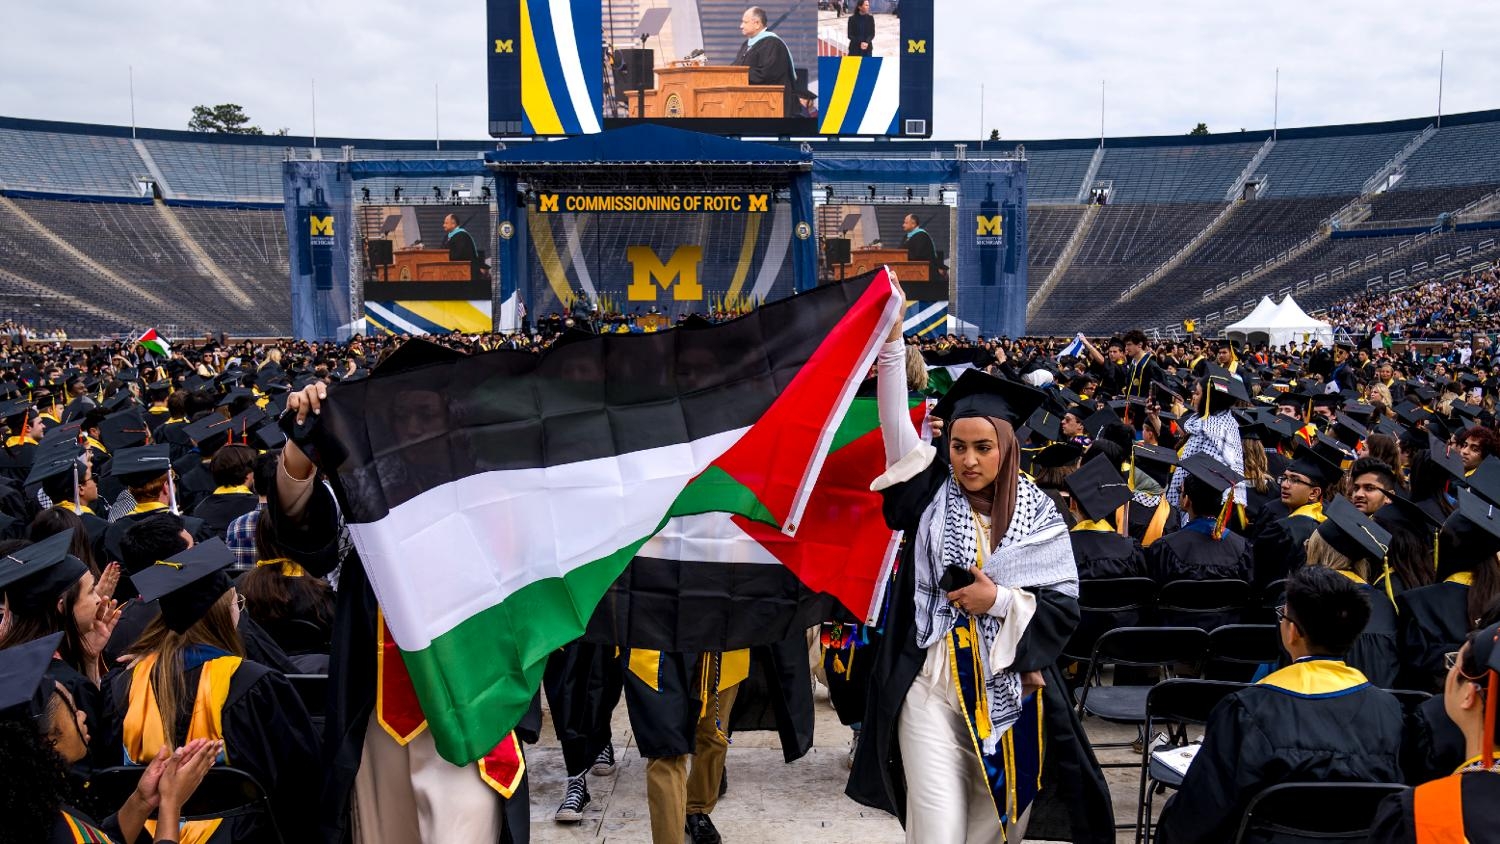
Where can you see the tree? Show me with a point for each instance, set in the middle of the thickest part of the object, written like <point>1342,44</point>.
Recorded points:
<point>226,118</point>
<point>994,134</point>
<point>1200,129</point>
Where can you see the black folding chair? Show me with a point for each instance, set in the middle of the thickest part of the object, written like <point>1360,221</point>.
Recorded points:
<point>1235,651</point>
<point>1325,811</point>
<point>313,690</point>
<point>1272,595</point>
<point>1178,703</point>
<point>1104,604</point>
<point>227,793</point>
<point>1205,604</point>
<point>1162,648</point>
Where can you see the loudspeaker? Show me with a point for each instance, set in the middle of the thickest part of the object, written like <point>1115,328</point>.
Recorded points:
<point>380,253</point>
<point>635,69</point>
<point>837,250</point>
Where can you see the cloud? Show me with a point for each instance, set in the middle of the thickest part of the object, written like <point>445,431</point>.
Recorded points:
<point>1169,64</point>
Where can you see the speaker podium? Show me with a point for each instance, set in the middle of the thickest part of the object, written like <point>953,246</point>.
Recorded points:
<point>712,91</point>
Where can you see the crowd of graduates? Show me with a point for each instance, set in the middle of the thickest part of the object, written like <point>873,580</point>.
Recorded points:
<point>173,576</point>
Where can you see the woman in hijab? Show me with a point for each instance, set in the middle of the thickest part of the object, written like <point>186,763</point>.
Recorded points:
<point>965,694</point>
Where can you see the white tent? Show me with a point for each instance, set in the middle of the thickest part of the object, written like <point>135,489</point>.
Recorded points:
<point>1278,325</point>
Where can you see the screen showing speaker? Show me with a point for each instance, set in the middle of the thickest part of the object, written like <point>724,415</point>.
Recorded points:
<point>426,252</point>
<point>916,241</point>
<point>779,67</point>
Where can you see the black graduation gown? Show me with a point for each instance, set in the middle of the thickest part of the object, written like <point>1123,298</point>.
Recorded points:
<point>196,484</point>
<point>583,683</point>
<point>259,646</point>
<point>267,733</point>
<point>15,462</point>
<point>315,545</point>
<point>217,511</point>
<point>1433,622</point>
<point>1264,735</point>
<point>1192,555</point>
<point>1074,803</point>
<point>115,533</point>
<point>1395,819</point>
<point>1101,554</point>
<point>1432,746</point>
<point>770,63</point>
<point>1141,516</point>
<point>1374,650</point>
<point>1280,548</point>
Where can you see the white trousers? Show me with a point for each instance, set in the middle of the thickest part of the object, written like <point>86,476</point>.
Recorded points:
<point>947,799</point>
<point>411,794</point>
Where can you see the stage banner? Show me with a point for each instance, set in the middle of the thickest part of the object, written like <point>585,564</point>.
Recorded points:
<point>990,266</point>
<point>320,220</point>
<point>510,240</point>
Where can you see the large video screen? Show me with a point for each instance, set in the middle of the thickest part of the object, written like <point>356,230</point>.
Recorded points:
<point>796,68</point>
<point>915,240</point>
<point>429,252</point>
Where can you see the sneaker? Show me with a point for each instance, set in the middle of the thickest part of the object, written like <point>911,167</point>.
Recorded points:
<point>1157,741</point>
<point>604,764</point>
<point>701,830</point>
<point>853,746</point>
<point>571,810</point>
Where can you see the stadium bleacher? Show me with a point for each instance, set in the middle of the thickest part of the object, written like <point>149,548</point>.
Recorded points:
<point>124,258</point>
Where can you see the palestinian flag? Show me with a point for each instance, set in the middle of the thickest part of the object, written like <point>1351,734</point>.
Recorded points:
<point>495,498</point>
<point>728,578</point>
<point>155,344</point>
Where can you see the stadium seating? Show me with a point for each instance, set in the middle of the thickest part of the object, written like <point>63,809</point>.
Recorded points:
<point>1324,166</point>
<point>1056,175</point>
<point>56,162</point>
<point>1174,174</point>
<point>1455,155</point>
<point>226,171</point>
<point>1048,228</point>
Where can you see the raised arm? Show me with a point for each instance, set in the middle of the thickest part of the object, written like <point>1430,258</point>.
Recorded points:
<point>890,395</point>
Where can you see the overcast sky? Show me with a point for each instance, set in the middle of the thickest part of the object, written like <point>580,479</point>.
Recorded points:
<point>1168,65</point>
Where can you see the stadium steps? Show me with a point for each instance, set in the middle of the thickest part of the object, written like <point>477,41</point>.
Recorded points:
<point>143,295</point>
<point>206,264</point>
<point>1182,254</point>
<point>1093,172</point>
<point>1382,178</point>
<point>1249,172</point>
<point>1484,207</point>
<point>59,304</point>
<point>1064,260</point>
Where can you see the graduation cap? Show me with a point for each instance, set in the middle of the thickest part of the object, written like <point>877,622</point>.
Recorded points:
<point>268,437</point>
<point>136,467</point>
<point>159,389</point>
<point>12,409</point>
<point>234,395</point>
<point>1465,410</point>
<point>129,373</point>
<point>1046,423</point>
<point>1447,459</point>
<point>64,458</point>
<point>1485,479</point>
<point>1055,454</point>
<point>1155,454</point>
<point>976,393</point>
<point>1473,528</point>
<point>1352,533</point>
<point>33,577</point>
<point>1315,462</point>
<point>1097,421</point>
<point>204,430</point>
<point>1133,408</point>
<point>123,430</point>
<point>1098,488</point>
<point>1222,388</point>
<point>1401,513</point>
<point>1211,471</point>
<point>1348,430</point>
<point>121,400</point>
<point>1360,411</point>
<point>1423,392</point>
<point>188,584</point>
<point>24,685</point>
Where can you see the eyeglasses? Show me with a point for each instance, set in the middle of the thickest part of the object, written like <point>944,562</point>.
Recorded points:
<point>239,602</point>
<point>1450,659</point>
<point>1292,479</point>
<point>1283,615</point>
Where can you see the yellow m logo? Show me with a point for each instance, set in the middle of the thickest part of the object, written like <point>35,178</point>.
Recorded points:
<point>320,225</point>
<point>758,202</point>
<point>680,274</point>
<point>988,226</point>
<point>546,202</point>
<point>914,45</point>
<point>505,45</point>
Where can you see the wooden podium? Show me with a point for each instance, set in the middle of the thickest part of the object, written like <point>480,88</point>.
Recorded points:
<point>425,265</point>
<point>865,260</point>
<point>717,91</point>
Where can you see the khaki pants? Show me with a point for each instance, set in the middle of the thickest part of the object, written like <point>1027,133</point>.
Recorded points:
<point>411,794</point>
<point>672,792</point>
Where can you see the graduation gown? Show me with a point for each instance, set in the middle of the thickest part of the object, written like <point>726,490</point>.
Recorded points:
<point>16,460</point>
<point>1104,553</point>
<point>1374,650</point>
<point>1316,720</point>
<point>1074,803</point>
<point>1434,620</point>
<point>1478,793</point>
<point>115,533</point>
<point>1280,548</point>
<point>1141,517</point>
<point>315,545</point>
<point>1193,554</point>
<point>1432,746</point>
<point>73,826</point>
<point>267,733</point>
<point>197,484</point>
<point>583,683</point>
<point>220,508</point>
<point>770,63</point>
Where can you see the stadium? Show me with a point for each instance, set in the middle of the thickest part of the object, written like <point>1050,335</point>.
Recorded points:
<point>712,445</point>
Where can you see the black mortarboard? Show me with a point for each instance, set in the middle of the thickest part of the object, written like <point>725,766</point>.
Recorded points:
<point>24,687</point>
<point>1329,400</point>
<point>55,461</point>
<point>1447,459</point>
<point>1401,513</point>
<point>1147,453</point>
<point>1348,430</point>
<point>1046,424</point>
<point>188,584</point>
<point>1099,419</point>
<point>1314,462</point>
<point>1485,479</point>
<point>129,373</point>
<point>136,467</point>
<point>119,401</point>
<point>123,430</point>
<point>206,431</point>
<point>1352,533</point>
<point>1099,489</point>
<point>1222,388</point>
<point>1473,529</point>
<point>1360,411</point>
<point>1211,471</point>
<point>159,388</point>
<point>233,396</point>
<point>33,577</point>
<point>14,408</point>
<point>976,393</point>
<point>268,437</point>
<point>1053,455</point>
<point>1425,393</point>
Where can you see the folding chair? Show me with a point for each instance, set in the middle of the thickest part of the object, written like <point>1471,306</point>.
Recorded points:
<point>1138,647</point>
<point>1204,604</point>
<point>1105,604</point>
<point>1326,811</point>
<point>227,793</point>
<point>1272,596</point>
<point>1235,651</point>
<point>1178,703</point>
<point>313,690</point>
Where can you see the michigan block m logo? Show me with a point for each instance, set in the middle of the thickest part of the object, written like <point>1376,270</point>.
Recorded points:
<point>988,225</point>
<point>679,274</point>
<point>546,202</point>
<point>505,45</point>
<point>320,225</point>
<point>914,45</point>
